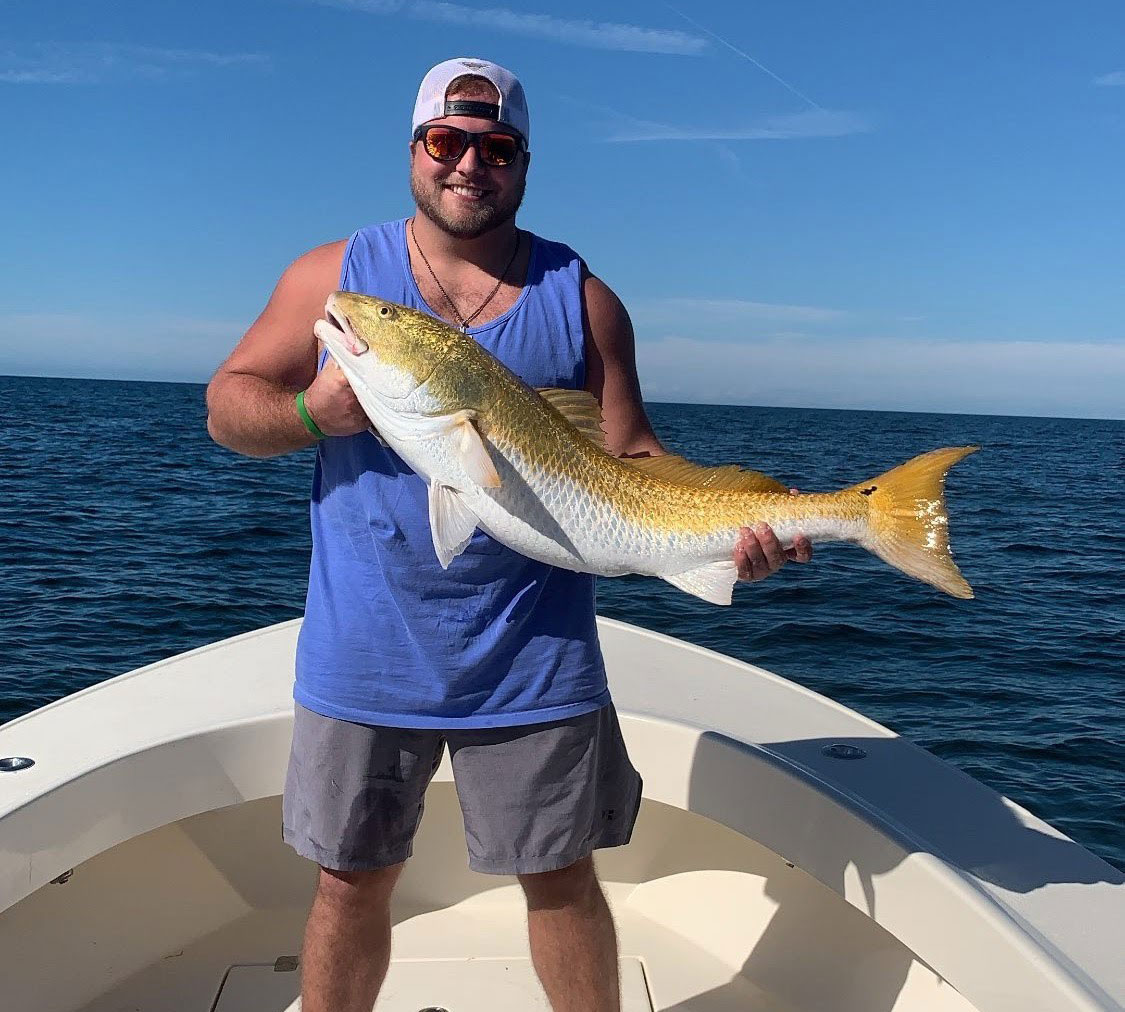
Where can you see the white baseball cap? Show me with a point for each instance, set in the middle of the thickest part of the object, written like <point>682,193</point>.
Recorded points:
<point>432,103</point>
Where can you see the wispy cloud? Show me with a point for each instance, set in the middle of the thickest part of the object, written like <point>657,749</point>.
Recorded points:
<point>729,157</point>
<point>1067,378</point>
<point>812,123</point>
<point>94,62</point>
<point>728,317</point>
<point>745,55</point>
<point>1116,79</point>
<point>1061,378</point>
<point>592,34</point>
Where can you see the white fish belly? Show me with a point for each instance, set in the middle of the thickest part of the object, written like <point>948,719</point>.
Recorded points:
<point>550,517</point>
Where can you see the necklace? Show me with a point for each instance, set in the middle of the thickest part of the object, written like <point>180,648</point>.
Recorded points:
<point>465,320</point>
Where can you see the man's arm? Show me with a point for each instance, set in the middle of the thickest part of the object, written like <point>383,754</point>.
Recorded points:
<point>611,376</point>
<point>611,373</point>
<point>251,398</point>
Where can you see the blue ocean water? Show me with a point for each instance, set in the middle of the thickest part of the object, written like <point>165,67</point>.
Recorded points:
<point>126,536</point>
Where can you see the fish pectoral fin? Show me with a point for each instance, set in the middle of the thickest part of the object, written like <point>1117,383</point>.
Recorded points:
<point>451,522</point>
<point>474,456</point>
<point>580,408</point>
<point>712,582</point>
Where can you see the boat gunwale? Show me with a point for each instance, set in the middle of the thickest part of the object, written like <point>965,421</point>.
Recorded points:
<point>912,846</point>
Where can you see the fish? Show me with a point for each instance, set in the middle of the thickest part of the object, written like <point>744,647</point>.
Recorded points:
<point>530,468</point>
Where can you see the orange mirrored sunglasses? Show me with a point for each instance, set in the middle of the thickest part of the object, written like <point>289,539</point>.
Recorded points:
<point>448,144</point>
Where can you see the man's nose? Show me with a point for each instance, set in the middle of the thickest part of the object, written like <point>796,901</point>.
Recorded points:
<point>470,161</point>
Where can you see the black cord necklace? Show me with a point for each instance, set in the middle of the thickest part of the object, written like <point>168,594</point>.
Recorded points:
<point>465,321</point>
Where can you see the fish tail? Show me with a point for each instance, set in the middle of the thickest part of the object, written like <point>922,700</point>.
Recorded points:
<point>907,524</point>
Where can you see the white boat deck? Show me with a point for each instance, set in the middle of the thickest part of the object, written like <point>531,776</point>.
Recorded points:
<point>766,873</point>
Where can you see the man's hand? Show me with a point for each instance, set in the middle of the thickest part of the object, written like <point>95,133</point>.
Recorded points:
<point>758,553</point>
<point>332,404</point>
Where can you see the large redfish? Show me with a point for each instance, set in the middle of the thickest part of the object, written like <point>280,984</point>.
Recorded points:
<point>530,468</point>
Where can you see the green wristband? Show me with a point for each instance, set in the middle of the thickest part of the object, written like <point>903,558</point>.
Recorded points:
<point>306,418</point>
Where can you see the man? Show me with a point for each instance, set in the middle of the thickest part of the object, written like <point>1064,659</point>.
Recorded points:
<point>496,657</point>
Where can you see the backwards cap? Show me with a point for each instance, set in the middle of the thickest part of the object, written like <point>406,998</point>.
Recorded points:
<point>432,103</point>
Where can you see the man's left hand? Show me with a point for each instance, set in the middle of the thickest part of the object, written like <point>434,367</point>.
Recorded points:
<point>758,553</point>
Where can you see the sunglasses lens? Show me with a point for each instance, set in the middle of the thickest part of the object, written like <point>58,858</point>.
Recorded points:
<point>498,149</point>
<point>444,144</point>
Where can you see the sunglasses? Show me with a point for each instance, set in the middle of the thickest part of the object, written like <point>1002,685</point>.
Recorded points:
<point>448,144</point>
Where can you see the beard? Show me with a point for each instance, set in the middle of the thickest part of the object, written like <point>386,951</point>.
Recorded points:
<point>475,219</point>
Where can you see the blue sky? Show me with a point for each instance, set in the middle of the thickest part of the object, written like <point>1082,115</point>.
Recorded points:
<point>877,205</point>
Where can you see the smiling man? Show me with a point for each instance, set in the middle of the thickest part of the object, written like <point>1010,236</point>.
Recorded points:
<point>496,657</point>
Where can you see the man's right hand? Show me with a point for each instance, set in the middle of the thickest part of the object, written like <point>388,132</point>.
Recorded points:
<point>332,404</point>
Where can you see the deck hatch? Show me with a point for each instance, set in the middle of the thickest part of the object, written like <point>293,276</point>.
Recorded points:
<point>456,985</point>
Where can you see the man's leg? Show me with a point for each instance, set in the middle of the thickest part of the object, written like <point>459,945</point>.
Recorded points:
<point>353,797</point>
<point>347,940</point>
<point>534,795</point>
<point>573,940</point>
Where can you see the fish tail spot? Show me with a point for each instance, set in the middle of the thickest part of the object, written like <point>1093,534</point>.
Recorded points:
<point>907,524</point>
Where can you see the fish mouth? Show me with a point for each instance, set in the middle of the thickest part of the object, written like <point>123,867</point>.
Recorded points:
<point>390,345</point>
<point>339,320</point>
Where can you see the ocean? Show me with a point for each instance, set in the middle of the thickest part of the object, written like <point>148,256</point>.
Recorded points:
<point>127,536</point>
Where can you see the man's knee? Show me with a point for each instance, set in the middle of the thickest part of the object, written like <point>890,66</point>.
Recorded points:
<point>358,889</point>
<point>574,884</point>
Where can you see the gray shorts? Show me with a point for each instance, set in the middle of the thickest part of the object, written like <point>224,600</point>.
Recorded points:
<point>534,798</point>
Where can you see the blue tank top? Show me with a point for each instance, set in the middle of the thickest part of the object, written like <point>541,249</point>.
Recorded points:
<point>389,637</point>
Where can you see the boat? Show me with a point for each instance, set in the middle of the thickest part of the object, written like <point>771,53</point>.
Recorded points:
<point>789,855</point>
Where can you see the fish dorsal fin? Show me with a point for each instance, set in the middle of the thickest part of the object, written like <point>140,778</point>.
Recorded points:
<point>580,408</point>
<point>729,477</point>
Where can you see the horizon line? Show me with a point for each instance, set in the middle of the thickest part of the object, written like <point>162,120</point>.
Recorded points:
<point>647,400</point>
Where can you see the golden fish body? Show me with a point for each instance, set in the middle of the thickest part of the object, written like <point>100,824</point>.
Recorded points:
<point>529,468</point>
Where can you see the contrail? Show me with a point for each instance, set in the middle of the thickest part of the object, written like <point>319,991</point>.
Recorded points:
<point>745,56</point>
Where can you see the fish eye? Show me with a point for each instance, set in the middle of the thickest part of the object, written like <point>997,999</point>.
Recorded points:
<point>385,311</point>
